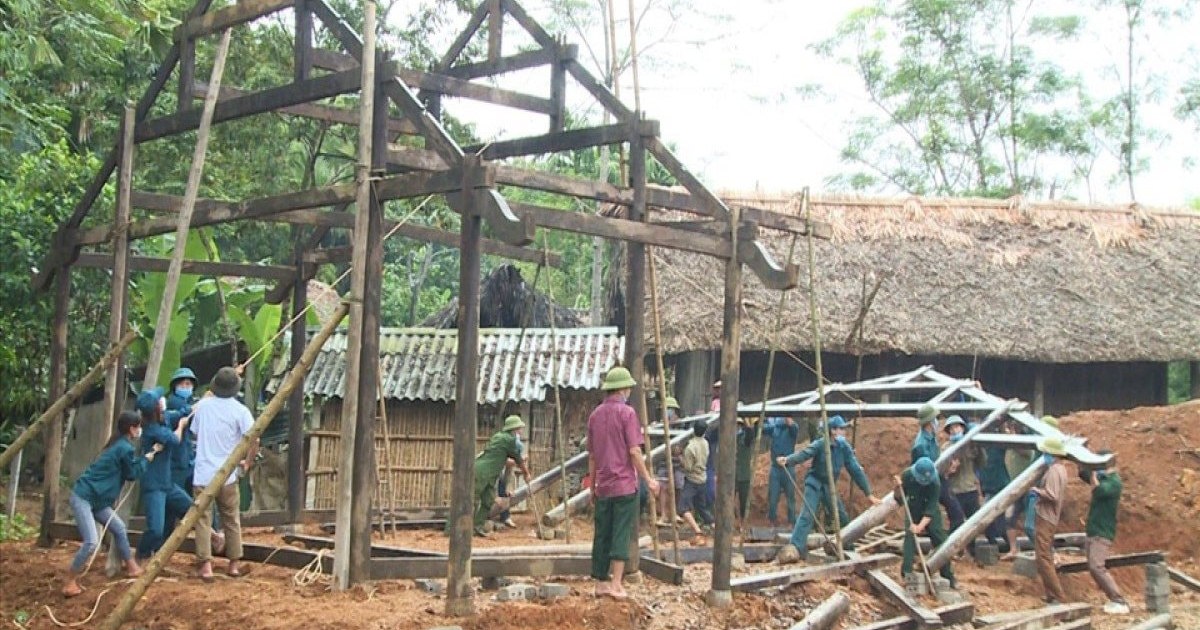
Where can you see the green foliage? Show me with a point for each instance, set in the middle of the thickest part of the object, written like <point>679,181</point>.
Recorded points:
<point>16,528</point>
<point>1179,382</point>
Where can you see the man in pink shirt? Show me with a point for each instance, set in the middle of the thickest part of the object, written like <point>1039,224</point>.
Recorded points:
<point>615,460</point>
<point>715,406</point>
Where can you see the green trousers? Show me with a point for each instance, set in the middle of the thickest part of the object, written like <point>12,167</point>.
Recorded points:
<point>615,520</point>
<point>485,498</point>
<point>937,535</point>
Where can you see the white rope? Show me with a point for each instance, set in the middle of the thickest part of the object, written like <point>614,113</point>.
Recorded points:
<point>312,572</point>
<point>95,607</point>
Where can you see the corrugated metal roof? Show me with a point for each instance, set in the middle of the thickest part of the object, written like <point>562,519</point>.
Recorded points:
<point>418,363</point>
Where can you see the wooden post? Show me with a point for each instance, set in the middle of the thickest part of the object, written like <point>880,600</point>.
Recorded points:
<point>60,404</point>
<point>167,308</point>
<point>344,544</point>
<point>635,310</point>
<point>495,29</point>
<point>720,595</point>
<point>205,498</point>
<point>459,600</point>
<point>961,537</point>
<point>825,615</point>
<point>14,486</point>
<point>58,386</point>
<point>302,46</point>
<point>295,457</point>
<point>365,472</point>
<point>187,73</point>
<point>1195,365</point>
<point>114,392</point>
<point>558,93</point>
<point>1039,389</point>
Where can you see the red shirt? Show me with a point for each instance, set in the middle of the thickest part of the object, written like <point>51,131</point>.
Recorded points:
<point>613,429</point>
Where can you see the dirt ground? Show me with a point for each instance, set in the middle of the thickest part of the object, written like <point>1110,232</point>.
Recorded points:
<point>1160,510</point>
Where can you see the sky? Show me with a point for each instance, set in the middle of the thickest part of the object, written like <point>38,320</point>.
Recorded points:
<point>723,81</point>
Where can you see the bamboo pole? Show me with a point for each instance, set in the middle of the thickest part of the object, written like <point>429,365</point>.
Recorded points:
<point>205,498</point>
<point>118,314</point>
<point>53,437</point>
<point>167,307</point>
<point>814,315</point>
<point>558,423</point>
<point>59,406</point>
<point>358,281</point>
<point>386,466</point>
<point>662,395</point>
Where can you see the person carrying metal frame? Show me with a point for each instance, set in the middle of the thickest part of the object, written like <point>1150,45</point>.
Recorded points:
<point>819,489</point>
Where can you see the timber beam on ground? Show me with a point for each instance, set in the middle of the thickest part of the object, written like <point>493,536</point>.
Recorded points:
<point>698,555</point>
<point>1034,617</point>
<point>1184,579</point>
<point>381,551</point>
<point>432,524</point>
<point>661,570</point>
<point>1115,562</point>
<point>810,573</point>
<point>266,554</point>
<point>100,260</point>
<point>893,592</point>
<point>951,614</point>
<point>498,566</point>
<point>314,111</point>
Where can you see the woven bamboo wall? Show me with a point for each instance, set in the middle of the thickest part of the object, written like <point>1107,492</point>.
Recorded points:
<point>420,447</point>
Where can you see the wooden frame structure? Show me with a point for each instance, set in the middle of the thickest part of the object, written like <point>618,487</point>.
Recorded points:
<point>408,102</point>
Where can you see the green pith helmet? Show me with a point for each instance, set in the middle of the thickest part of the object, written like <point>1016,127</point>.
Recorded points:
<point>926,414</point>
<point>512,423</point>
<point>1050,420</point>
<point>618,378</point>
<point>182,373</point>
<point>1053,446</point>
<point>672,403</point>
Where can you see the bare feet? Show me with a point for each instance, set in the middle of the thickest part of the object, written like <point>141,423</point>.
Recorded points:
<point>235,569</point>
<point>205,572</point>
<point>71,588</point>
<point>602,589</point>
<point>618,593</point>
<point>132,569</point>
<point>1009,556</point>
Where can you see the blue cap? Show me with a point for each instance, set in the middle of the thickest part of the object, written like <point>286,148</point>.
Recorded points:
<point>183,372</point>
<point>838,422</point>
<point>954,420</point>
<point>147,401</point>
<point>924,471</point>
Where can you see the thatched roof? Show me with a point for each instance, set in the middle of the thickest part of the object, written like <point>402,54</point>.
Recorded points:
<point>1044,282</point>
<point>506,300</point>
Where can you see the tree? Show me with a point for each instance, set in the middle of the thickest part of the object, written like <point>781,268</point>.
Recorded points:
<point>961,103</point>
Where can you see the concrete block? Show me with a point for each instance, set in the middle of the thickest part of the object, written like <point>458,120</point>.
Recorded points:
<point>545,533</point>
<point>915,584</point>
<point>1158,587</point>
<point>494,583</point>
<point>560,533</point>
<point>1025,565</point>
<point>435,587</point>
<point>1157,569</point>
<point>737,562</point>
<point>987,554</point>
<point>1158,604</point>
<point>950,597</point>
<point>516,592</point>
<point>551,590</point>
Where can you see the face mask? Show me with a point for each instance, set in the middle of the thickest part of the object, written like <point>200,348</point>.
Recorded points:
<point>183,392</point>
<point>841,440</point>
<point>1101,474</point>
<point>1048,458</point>
<point>956,437</point>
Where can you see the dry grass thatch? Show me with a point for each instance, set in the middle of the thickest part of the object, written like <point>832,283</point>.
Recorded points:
<point>506,300</point>
<point>1047,282</point>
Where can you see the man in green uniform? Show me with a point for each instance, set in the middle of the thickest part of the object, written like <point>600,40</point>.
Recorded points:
<point>490,464</point>
<point>920,487</point>
<point>1102,530</point>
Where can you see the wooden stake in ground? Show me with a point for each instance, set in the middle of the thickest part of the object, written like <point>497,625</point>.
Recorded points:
<point>205,498</point>
<point>59,406</point>
<point>358,282</point>
<point>167,307</point>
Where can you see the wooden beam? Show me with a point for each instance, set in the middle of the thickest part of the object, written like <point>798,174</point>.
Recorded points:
<point>569,140</point>
<point>1160,621</point>
<point>598,90</point>
<point>53,436</point>
<point>811,573</point>
<point>60,253</point>
<point>625,230</point>
<point>221,19</point>
<point>952,614</point>
<point>464,37</point>
<point>826,614</point>
<point>699,555</point>
<point>99,260</point>
<point>114,390</point>
<point>1184,579</point>
<point>1034,618</point>
<point>495,29</point>
<point>544,480</point>
<point>511,63</point>
<point>895,593</point>
<point>314,111</point>
<point>1115,562</point>
<point>499,566</point>
<point>377,551</point>
<point>333,61</point>
<point>661,570</point>
<point>268,100</point>
<point>302,44</point>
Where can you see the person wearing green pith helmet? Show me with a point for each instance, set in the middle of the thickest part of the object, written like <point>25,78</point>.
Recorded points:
<point>504,444</point>
<point>919,488</point>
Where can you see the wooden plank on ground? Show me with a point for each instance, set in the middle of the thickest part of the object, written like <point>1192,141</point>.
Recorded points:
<point>1078,624</point>
<point>1055,613</point>
<point>765,534</point>
<point>1184,579</point>
<point>661,571</point>
<point>895,593</point>
<point>950,615</point>
<point>695,555</point>
<point>380,551</point>
<point>1154,623</point>
<point>498,566</point>
<point>1115,562</point>
<point>433,523</point>
<point>810,573</point>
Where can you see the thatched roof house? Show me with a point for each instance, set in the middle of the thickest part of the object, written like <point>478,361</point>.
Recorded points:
<point>996,280</point>
<point>506,300</point>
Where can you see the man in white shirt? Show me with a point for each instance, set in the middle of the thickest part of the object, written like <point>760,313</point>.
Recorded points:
<point>219,424</point>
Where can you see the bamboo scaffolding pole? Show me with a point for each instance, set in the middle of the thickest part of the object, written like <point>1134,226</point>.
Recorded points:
<point>167,306</point>
<point>662,395</point>
<point>59,406</point>
<point>558,423</point>
<point>386,472</point>
<point>203,500</point>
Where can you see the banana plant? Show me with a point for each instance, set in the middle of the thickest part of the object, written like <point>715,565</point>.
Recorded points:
<point>146,299</point>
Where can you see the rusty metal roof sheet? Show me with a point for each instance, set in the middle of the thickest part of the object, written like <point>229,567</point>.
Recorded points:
<point>419,363</point>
